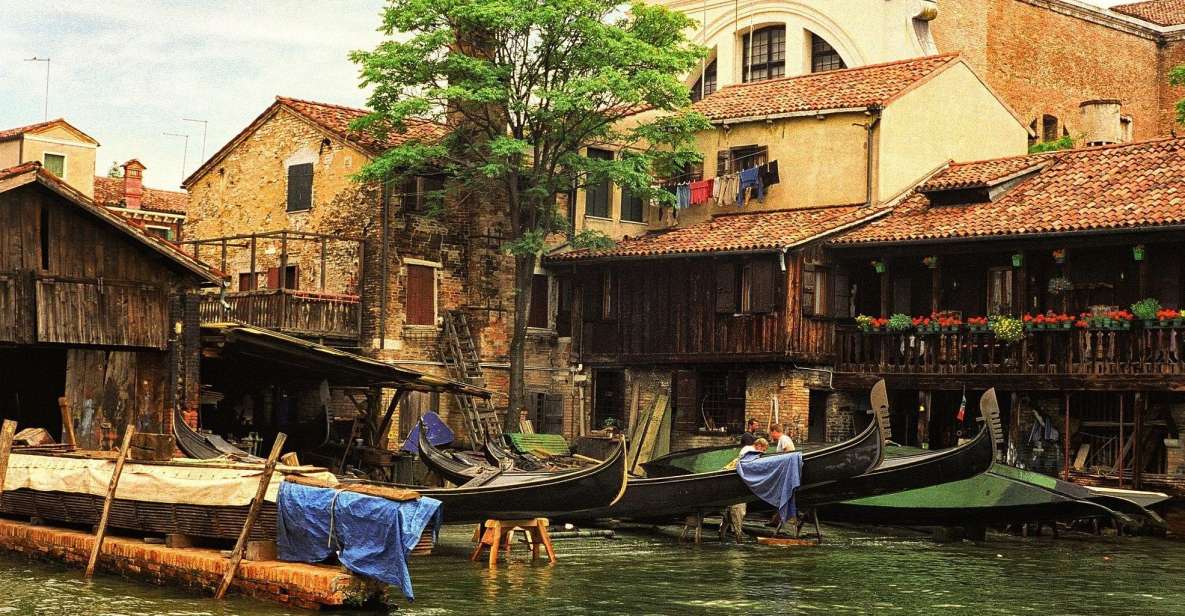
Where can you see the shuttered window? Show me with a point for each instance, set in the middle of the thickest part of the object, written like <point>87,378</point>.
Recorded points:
<point>597,194</point>
<point>841,296</point>
<point>421,295</point>
<point>55,164</point>
<point>540,291</point>
<point>999,295</point>
<point>563,312</point>
<point>726,288</point>
<point>300,187</point>
<point>814,291</point>
<point>291,279</point>
<point>761,287</point>
<point>633,208</point>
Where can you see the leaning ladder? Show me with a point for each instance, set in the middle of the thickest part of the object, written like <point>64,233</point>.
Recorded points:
<point>459,354</point>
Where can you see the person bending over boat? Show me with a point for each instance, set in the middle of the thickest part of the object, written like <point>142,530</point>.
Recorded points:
<point>734,515</point>
<point>782,441</point>
<point>750,435</point>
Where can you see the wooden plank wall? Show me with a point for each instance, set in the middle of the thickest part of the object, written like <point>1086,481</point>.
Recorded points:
<point>107,389</point>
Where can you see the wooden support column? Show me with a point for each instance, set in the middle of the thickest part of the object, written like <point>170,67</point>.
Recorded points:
<point>254,277</point>
<point>1122,447</point>
<point>1138,409</point>
<point>385,424</point>
<point>68,436</point>
<point>1142,278</point>
<point>924,399</point>
<point>265,479</point>
<point>1020,285</point>
<point>936,289</point>
<point>1066,439</point>
<point>283,259</point>
<point>101,530</point>
<point>224,254</point>
<point>886,291</point>
<point>7,433</point>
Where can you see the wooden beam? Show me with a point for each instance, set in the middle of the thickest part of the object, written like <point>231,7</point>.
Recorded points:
<point>1066,438</point>
<point>6,435</point>
<point>1123,449</point>
<point>265,479</point>
<point>101,531</point>
<point>67,422</point>
<point>385,424</point>
<point>1139,409</point>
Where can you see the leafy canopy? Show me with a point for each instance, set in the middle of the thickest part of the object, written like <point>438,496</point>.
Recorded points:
<point>526,86</point>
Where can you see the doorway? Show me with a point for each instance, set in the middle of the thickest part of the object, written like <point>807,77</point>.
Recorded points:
<point>608,397</point>
<point>817,417</point>
<point>34,379</point>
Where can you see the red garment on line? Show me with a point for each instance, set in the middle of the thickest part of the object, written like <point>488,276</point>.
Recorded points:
<point>701,191</point>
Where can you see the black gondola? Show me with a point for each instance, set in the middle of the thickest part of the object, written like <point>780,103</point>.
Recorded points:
<point>205,446</point>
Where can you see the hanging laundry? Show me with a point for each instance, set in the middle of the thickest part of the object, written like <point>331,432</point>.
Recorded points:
<point>769,174</point>
<point>701,191</point>
<point>727,191</point>
<point>682,196</point>
<point>750,179</point>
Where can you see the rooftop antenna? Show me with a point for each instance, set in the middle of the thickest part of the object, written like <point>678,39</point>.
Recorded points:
<point>184,155</point>
<point>205,124</point>
<point>46,61</point>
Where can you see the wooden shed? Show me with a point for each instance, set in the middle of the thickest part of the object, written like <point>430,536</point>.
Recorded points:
<point>92,310</point>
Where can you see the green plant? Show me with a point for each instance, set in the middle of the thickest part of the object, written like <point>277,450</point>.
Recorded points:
<point>1059,285</point>
<point>1146,309</point>
<point>1065,143</point>
<point>900,323</point>
<point>864,321</point>
<point>1007,329</point>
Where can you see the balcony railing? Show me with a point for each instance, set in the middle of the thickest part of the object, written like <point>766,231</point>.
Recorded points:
<point>1139,350</point>
<point>322,316</point>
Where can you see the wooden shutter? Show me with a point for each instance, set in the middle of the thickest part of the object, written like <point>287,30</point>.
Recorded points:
<point>421,295</point>
<point>761,286</point>
<point>552,421</point>
<point>273,278</point>
<point>686,401</point>
<point>537,316</point>
<point>841,296</point>
<point>723,162</point>
<point>590,292</point>
<point>292,277</point>
<point>247,281</point>
<point>300,187</point>
<point>726,288</point>
<point>809,289</point>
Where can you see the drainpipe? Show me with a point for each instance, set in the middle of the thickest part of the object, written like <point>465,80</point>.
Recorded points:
<point>869,129</point>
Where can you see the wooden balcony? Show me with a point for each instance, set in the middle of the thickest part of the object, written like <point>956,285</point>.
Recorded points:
<point>330,318</point>
<point>1044,359</point>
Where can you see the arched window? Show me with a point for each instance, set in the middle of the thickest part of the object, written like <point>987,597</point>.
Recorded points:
<point>764,54</point>
<point>824,57</point>
<point>1049,128</point>
<point>706,84</point>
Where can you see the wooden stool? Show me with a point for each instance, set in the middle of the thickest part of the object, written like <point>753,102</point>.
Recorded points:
<point>497,535</point>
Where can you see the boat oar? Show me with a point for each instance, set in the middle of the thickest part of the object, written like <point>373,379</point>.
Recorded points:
<point>252,514</point>
<point>101,531</point>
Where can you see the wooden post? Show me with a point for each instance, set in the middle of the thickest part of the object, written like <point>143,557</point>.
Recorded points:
<point>6,435</point>
<point>886,291</point>
<point>1138,409</point>
<point>323,242</point>
<point>252,514</point>
<point>1066,439</point>
<point>254,277</point>
<point>385,424</point>
<point>924,400</point>
<point>1122,448</point>
<point>283,259</point>
<point>67,422</point>
<point>224,255</point>
<point>936,288</point>
<point>101,531</point>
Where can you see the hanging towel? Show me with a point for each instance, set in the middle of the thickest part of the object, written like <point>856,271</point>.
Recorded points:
<point>700,191</point>
<point>372,536</point>
<point>769,174</point>
<point>750,178</point>
<point>728,189</point>
<point>773,479</point>
<point>682,196</point>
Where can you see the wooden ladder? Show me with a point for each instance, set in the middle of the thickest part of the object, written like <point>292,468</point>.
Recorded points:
<point>458,352</point>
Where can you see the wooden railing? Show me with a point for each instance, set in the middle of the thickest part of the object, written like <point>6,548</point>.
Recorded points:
<point>1138,350</point>
<point>299,313</point>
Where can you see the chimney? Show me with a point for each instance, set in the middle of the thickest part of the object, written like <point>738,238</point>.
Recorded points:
<point>1102,123</point>
<point>133,187</point>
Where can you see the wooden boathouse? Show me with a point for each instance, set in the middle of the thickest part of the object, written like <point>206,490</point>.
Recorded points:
<point>93,310</point>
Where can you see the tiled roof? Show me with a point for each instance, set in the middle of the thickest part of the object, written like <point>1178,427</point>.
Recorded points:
<point>1159,12</point>
<point>984,173</point>
<point>13,133</point>
<point>852,88</point>
<point>109,192</point>
<point>1129,186</point>
<point>743,232</point>
<point>32,171</point>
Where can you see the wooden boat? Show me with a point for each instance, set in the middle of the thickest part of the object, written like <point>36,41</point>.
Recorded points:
<point>205,446</point>
<point>662,497</point>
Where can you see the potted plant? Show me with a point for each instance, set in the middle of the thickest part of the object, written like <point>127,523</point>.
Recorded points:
<point>1008,330</point>
<point>1148,311</point>
<point>1060,284</point>
<point>930,262</point>
<point>1018,259</point>
<point>899,323</point>
<point>1120,319</point>
<point>1165,317</point>
<point>1059,256</point>
<point>1138,252</point>
<point>977,324</point>
<point>879,266</point>
<point>869,324</point>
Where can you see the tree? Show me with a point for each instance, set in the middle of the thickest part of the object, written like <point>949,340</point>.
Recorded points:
<point>527,86</point>
<point>1177,78</point>
<point>115,171</point>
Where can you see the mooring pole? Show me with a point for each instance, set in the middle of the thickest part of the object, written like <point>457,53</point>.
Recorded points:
<point>101,531</point>
<point>252,514</point>
<point>6,435</point>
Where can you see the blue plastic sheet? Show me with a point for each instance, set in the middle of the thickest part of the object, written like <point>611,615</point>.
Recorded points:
<point>371,536</point>
<point>773,479</point>
<point>438,433</point>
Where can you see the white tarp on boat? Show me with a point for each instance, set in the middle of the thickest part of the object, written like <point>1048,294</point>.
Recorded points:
<point>192,482</point>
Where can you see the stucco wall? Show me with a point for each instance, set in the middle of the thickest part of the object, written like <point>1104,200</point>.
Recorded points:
<point>80,157</point>
<point>10,153</point>
<point>950,117</point>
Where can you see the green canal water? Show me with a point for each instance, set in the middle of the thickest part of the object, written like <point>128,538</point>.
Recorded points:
<point>645,573</point>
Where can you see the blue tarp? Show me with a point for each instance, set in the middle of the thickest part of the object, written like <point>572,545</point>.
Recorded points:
<point>438,433</point>
<point>371,536</point>
<point>773,479</point>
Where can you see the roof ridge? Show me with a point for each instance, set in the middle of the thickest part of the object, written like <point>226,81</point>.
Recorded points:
<point>164,190</point>
<point>286,99</point>
<point>850,69</point>
<point>809,208</point>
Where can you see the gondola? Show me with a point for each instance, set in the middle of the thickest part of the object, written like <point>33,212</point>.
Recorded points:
<point>205,446</point>
<point>662,497</point>
<point>452,467</point>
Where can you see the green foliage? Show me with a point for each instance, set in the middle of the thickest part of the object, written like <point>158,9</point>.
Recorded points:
<point>1065,143</point>
<point>1146,309</point>
<point>592,239</point>
<point>900,323</point>
<point>1177,78</point>
<point>864,321</point>
<point>1008,330</point>
<point>115,171</point>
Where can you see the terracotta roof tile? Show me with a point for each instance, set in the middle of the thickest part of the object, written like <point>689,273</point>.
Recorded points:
<point>1128,186</point>
<point>109,193</point>
<point>336,119</point>
<point>749,231</point>
<point>983,173</point>
<point>13,133</point>
<point>860,87</point>
<point>1159,12</point>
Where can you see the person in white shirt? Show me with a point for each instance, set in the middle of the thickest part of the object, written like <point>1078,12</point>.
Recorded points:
<point>782,441</point>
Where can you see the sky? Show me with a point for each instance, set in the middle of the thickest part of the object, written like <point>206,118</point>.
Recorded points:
<point>128,71</point>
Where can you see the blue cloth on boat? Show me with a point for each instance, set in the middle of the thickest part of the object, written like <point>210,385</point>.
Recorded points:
<point>773,479</point>
<point>438,433</point>
<point>751,178</point>
<point>371,536</point>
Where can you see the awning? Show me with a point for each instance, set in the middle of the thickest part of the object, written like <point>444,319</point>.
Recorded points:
<point>338,366</point>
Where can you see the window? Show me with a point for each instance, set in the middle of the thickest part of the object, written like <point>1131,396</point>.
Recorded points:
<point>706,84</point>
<point>764,54</point>
<point>248,281</point>
<point>1049,128</point>
<point>841,296</point>
<point>419,193</point>
<point>633,208</point>
<point>421,295</point>
<point>291,277</point>
<point>739,158</point>
<point>722,396</point>
<point>162,232</point>
<point>540,290</point>
<point>55,164</point>
<point>596,195</point>
<point>300,187</point>
<point>814,291</point>
<point>563,309</point>
<point>824,57</point>
<point>747,288</point>
<point>999,291</point>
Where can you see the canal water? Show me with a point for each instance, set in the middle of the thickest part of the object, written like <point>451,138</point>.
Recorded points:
<point>650,573</point>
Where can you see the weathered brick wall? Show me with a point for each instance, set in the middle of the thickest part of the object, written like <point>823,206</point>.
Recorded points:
<point>1042,61</point>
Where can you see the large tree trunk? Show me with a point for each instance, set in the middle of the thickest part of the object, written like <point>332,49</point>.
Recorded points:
<point>524,272</point>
